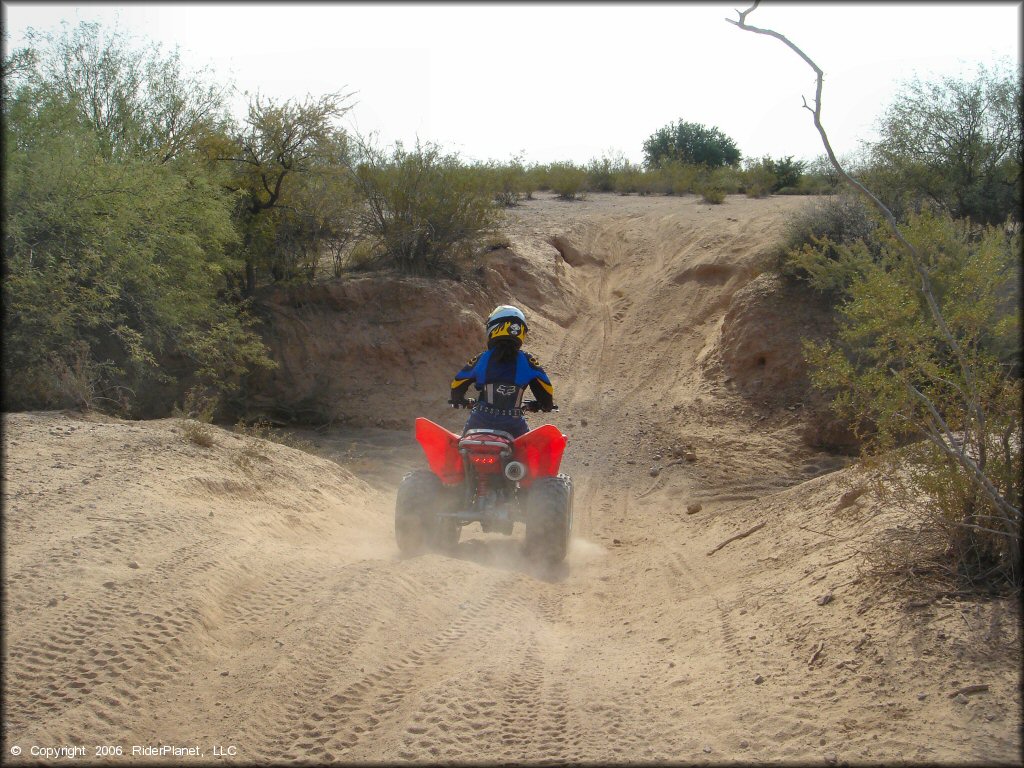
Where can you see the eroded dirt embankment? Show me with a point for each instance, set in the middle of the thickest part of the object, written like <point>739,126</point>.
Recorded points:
<point>713,606</point>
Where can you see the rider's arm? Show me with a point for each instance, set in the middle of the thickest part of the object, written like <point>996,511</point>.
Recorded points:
<point>462,380</point>
<point>540,385</point>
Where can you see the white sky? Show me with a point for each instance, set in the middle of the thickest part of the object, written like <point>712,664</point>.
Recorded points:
<point>569,81</point>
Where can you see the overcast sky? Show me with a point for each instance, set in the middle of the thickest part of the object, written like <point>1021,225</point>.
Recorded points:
<point>569,81</point>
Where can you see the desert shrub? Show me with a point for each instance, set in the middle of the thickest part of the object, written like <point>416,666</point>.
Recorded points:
<point>362,256</point>
<point>714,185</point>
<point>125,257</point>
<point>603,173</point>
<point>506,182</point>
<point>917,403</point>
<point>817,177</point>
<point>788,171</point>
<point>767,175</point>
<point>648,183</point>
<point>813,238</point>
<point>264,430</point>
<point>629,179</point>
<point>75,378</point>
<point>675,178</point>
<point>600,175</point>
<point>655,181</point>
<point>198,433</point>
<point>918,354</point>
<point>809,184</point>
<point>424,210</point>
<point>255,434</point>
<point>286,165</point>
<point>496,242</point>
<point>567,180</point>
<point>712,194</point>
<point>759,180</point>
<point>726,178</point>
<point>536,180</point>
<point>196,412</point>
<point>117,237</point>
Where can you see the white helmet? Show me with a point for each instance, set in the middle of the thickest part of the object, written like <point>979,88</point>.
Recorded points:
<point>506,321</point>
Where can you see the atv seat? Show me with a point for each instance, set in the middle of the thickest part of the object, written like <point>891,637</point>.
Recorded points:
<point>495,432</point>
<point>487,441</point>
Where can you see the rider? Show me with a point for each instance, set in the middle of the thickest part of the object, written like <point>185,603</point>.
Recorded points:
<point>501,374</point>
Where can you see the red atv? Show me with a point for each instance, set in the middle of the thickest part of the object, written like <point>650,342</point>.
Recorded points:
<point>487,476</point>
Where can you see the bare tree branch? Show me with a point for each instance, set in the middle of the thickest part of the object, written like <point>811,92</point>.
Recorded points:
<point>962,458</point>
<point>972,401</point>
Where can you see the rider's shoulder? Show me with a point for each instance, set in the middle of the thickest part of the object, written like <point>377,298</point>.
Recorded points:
<point>532,360</point>
<point>473,360</point>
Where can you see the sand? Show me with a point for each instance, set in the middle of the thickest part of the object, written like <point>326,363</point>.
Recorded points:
<point>247,599</point>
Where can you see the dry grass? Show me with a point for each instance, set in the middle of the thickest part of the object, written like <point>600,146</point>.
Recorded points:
<point>198,433</point>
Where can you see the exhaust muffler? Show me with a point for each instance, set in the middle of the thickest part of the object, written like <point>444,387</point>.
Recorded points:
<point>515,471</point>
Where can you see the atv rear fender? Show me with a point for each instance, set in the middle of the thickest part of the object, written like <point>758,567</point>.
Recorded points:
<point>540,450</point>
<point>442,450</point>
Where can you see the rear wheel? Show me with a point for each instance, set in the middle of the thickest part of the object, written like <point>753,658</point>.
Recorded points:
<point>418,526</point>
<point>549,519</point>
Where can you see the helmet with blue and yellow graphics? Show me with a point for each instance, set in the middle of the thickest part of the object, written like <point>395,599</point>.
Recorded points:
<point>506,322</point>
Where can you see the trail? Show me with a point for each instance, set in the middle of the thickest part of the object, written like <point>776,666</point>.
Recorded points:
<point>160,592</point>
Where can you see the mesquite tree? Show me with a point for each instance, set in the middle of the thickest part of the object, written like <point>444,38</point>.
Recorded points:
<point>948,389</point>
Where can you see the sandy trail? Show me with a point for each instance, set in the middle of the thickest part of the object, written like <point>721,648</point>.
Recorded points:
<point>248,595</point>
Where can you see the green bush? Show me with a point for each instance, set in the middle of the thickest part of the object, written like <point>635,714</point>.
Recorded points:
<point>954,143</point>
<point>809,184</point>
<point>712,194</point>
<point>567,180</point>
<point>691,144</point>
<point>814,237</point>
<point>759,180</point>
<point>507,182</point>
<point>629,179</point>
<point>424,210</point>
<point>679,178</point>
<point>726,178</point>
<point>765,176</point>
<point>604,173</point>
<point>113,272</point>
<point>536,180</point>
<point>894,376</point>
<point>601,174</point>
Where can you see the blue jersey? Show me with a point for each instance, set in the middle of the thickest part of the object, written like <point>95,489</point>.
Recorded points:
<point>501,381</point>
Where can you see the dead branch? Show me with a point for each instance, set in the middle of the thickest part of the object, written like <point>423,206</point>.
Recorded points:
<point>948,446</point>
<point>967,690</point>
<point>882,208</point>
<point>842,559</point>
<point>743,535</point>
<point>817,652</point>
<point>972,401</point>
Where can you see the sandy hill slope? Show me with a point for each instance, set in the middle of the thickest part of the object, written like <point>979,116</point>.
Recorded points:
<point>160,591</point>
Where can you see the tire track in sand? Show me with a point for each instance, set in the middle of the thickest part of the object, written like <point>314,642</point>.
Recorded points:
<point>329,726</point>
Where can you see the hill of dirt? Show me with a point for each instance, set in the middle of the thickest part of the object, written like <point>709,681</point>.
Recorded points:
<point>161,591</point>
